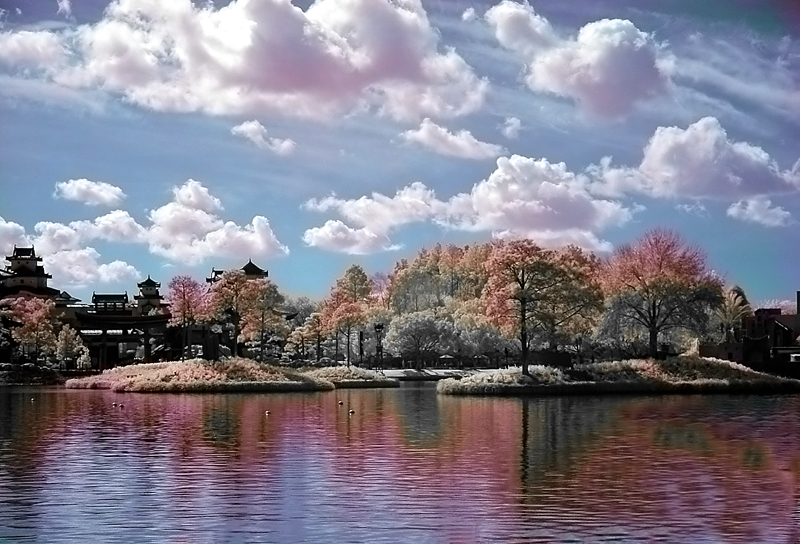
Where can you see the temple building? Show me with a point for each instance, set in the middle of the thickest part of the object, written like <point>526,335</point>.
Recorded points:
<point>25,274</point>
<point>251,270</point>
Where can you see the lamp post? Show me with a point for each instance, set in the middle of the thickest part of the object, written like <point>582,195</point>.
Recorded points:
<point>379,344</point>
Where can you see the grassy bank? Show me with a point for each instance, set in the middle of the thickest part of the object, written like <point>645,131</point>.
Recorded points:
<point>348,377</point>
<point>685,374</point>
<point>231,375</point>
<point>201,376</point>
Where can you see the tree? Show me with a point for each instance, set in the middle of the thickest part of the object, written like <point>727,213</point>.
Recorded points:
<point>37,325</point>
<point>660,283</point>
<point>733,309</point>
<point>229,301</point>
<point>70,346</point>
<point>345,310</point>
<point>534,290</point>
<point>262,320</point>
<point>187,299</point>
<point>416,333</point>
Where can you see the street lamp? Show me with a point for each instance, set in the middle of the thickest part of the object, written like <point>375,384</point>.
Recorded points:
<point>379,344</point>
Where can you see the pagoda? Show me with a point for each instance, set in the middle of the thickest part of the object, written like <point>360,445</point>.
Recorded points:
<point>149,299</point>
<point>24,274</point>
<point>251,270</point>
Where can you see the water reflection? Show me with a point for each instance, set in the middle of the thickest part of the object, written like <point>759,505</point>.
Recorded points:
<point>407,466</point>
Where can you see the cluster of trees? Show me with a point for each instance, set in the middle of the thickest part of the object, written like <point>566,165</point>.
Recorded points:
<point>493,300</point>
<point>514,297</point>
<point>39,332</point>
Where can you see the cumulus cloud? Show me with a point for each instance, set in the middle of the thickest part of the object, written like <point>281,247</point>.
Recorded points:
<point>93,193</point>
<point>469,15</point>
<point>461,144</point>
<point>41,50</point>
<point>256,133</point>
<point>511,128</point>
<point>80,267</point>
<point>760,210</point>
<point>189,230</point>
<point>250,57</point>
<point>523,197</point>
<point>607,68</point>
<point>382,213</point>
<point>11,234</point>
<point>699,162</point>
<point>337,237</point>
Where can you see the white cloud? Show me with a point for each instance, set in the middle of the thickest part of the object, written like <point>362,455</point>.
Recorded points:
<point>188,229</point>
<point>695,208</point>
<point>256,133</point>
<point>193,195</point>
<point>11,234</point>
<point>37,49</point>
<point>698,162</point>
<point>381,213</point>
<point>80,267</point>
<point>251,57</point>
<point>760,210</point>
<point>511,128</point>
<point>523,197</point>
<point>337,237</point>
<point>93,193</point>
<point>469,15</point>
<point>607,68</point>
<point>65,8</point>
<point>461,144</point>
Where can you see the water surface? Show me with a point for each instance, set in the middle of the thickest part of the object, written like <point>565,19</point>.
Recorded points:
<point>407,466</point>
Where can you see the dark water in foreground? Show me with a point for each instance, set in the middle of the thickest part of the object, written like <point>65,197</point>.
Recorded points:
<point>408,466</point>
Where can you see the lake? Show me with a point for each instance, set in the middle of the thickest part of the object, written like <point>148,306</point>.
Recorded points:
<point>407,466</point>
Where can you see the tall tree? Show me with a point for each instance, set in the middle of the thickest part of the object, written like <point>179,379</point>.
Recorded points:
<point>70,346</point>
<point>229,301</point>
<point>187,301</point>
<point>346,307</point>
<point>534,290</point>
<point>660,283</point>
<point>262,320</point>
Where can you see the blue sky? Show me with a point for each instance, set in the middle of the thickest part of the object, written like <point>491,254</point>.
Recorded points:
<point>143,137</point>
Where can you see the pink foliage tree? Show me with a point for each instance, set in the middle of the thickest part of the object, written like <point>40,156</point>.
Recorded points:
<point>660,283</point>
<point>187,300</point>
<point>36,333</point>
<point>531,289</point>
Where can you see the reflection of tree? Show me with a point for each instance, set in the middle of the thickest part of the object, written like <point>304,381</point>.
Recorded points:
<point>419,412</point>
<point>556,431</point>
<point>221,425</point>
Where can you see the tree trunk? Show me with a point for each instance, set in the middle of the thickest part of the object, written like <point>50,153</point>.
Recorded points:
<point>523,337</point>
<point>653,342</point>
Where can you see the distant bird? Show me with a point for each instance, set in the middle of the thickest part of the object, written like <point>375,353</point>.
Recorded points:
<point>113,404</point>
<point>340,403</point>
<point>266,413</point>
<point>32,399</point>
<point>352,411</point>
<point>122,405</point>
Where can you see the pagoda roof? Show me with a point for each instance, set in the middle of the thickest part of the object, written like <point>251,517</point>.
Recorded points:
<point>25,273</point>
<point>17,289</point>
<point>108,298</point>
<point>63,296</point>
<point>149,283</point>
<point>24,253</point>
<point>252,269</point>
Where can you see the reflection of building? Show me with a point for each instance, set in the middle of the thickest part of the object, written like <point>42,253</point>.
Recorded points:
<point>25,275</point>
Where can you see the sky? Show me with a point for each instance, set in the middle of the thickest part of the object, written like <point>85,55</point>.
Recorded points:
<point>142,137</point>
